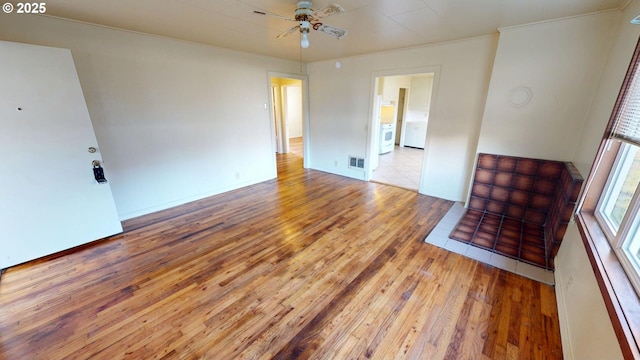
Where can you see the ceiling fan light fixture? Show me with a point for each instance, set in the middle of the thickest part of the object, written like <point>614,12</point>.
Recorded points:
<point>308,18</point>
<point>304,30</point>
<point>304,42</point>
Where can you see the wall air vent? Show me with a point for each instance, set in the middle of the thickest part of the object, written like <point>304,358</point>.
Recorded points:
<point>356,162</point>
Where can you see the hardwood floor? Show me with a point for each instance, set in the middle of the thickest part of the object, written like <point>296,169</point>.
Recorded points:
<point>310,265</point>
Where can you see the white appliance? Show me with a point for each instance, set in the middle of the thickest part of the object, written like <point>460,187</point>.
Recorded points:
<point>387,138</point>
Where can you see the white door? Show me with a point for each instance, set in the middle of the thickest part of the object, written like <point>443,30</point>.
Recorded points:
<point>49,199</point>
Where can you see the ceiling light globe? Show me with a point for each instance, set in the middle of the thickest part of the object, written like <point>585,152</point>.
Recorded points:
<point>305,41</point>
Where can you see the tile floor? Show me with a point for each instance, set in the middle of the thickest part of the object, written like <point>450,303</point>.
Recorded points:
<point>401,167</point>
<point>439,236</point>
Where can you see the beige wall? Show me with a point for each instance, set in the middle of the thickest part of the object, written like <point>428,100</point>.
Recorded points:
<point>560,63</point>
<point>175,121</point>
<point>585,326</point>
<point>587,332</point>
<point>342,101</point>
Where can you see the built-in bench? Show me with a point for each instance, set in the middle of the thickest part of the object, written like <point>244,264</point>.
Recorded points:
<point>520,207</point>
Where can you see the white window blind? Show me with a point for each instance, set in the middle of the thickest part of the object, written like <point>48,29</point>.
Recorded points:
<point>627,124</point>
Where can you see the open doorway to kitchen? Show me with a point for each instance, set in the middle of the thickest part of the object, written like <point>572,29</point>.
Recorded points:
<point>402,104</point>
<point>289,117</point>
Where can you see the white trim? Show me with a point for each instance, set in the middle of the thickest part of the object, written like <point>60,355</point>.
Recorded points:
<point>613,185</point>
<point>629,224</point>
<point>371,149</point>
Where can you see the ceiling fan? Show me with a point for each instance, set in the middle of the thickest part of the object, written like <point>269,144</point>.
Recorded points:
<point>309,18</point>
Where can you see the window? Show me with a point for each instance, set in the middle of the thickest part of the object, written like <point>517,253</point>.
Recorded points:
<point>608,217</point>
<point>617,210</point>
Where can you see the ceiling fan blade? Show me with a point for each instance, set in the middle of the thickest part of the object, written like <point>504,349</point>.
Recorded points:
<point>266,13</point>
<point>332,31</point>
<point>288,32</point>
<point>328,11</point>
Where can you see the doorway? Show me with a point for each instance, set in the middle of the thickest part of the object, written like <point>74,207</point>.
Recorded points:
<point>402,103</point>
<point>289,117</point>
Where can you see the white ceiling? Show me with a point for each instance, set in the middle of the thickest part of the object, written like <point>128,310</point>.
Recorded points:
<point>372,25</point>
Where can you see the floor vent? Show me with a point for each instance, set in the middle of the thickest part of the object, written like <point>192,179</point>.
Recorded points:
<point>356,162</point>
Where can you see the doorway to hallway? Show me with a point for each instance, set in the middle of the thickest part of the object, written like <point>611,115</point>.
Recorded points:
<point>287,114</point>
